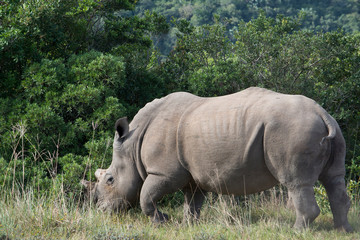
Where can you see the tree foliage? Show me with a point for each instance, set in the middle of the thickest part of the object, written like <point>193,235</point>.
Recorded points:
<point>323,15</point>
<point>69,69</point>
<point>320,15</point>
<point>273,53</point>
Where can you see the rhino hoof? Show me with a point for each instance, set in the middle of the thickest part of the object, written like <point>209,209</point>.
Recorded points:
<point>345,228</point>
<point>160,218</point>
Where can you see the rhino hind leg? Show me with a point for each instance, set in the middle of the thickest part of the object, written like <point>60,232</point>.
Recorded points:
<point>303,200</point>
<point>193,200</point>
<point>339,202</point>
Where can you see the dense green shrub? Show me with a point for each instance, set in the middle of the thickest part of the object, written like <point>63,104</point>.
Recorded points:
<point>69,69</point>
<point>68,107</point>
<point>274,53</point>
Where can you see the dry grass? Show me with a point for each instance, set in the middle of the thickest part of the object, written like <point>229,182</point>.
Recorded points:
<point>261,216</point>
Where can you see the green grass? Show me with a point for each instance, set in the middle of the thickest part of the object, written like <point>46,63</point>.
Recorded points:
<point>259,216</point>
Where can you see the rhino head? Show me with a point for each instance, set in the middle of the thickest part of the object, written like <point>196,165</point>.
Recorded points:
<point>118,187</point>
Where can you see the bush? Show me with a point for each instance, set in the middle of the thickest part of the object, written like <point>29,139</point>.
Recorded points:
<point>273,53</point>
<point>70,111</point>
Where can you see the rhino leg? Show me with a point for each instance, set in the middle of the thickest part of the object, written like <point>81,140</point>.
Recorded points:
<point>153,189</point>
<point>304,202</point>
<point>194,199</point>
<point>290,203</point>
<point>339,202</point>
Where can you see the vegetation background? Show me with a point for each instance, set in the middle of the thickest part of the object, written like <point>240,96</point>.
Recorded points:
<point>69,69</point>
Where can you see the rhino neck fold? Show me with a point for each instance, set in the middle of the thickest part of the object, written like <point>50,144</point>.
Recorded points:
<point>136,153</point>
<point>179,132</point>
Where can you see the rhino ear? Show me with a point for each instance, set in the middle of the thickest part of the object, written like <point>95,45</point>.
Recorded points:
<point>122,127</point>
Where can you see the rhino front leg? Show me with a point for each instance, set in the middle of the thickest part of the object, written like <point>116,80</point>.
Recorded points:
<point>339,202</point>
<point>290,203</point>
<point>194,199</point>
<point>303,199</point>
<point>153,189</point>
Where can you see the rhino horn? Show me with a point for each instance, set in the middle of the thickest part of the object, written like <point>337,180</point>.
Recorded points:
<point>99,173</point>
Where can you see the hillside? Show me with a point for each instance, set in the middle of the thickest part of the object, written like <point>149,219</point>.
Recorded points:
<point>316,16</point>
<point>320,15</point>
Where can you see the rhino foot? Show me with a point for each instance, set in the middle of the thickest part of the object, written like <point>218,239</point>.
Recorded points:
<point>306,208</point>
<point>160,217</point>
<point>345,228</point>
<point>339,202</point>
<point>193,200</point>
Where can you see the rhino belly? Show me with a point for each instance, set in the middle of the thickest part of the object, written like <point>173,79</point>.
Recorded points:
<point>237,182</point>
<point>229,161</point>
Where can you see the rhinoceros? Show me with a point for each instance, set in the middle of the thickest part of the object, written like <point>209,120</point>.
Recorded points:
<point>236,144</point>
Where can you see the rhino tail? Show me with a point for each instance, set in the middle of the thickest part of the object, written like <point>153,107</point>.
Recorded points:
<point>330,124</point>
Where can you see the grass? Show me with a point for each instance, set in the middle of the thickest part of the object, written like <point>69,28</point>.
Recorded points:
<point>57,216</point>
<point>261,216</point>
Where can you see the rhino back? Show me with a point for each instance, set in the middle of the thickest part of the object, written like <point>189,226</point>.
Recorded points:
<point>224,140</point>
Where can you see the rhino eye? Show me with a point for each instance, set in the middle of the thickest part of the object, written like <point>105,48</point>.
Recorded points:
<point>110,180</point>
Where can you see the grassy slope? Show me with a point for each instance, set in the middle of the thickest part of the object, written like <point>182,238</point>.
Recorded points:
<point>258,217</point>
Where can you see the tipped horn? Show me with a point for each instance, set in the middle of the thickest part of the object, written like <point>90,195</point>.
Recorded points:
<point>99,173</point>
<point>85,183</point>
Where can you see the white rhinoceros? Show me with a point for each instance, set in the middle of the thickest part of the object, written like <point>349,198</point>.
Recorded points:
<point>237,144</point>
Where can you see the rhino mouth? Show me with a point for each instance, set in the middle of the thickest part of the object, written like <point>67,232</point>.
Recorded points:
<point>113,205</point>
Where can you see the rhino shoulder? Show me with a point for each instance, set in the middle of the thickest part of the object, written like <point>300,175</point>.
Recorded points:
<point>164,104</point>
<point>252,90</point>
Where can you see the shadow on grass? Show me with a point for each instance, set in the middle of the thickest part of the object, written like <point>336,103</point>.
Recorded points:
<point>4,237</point>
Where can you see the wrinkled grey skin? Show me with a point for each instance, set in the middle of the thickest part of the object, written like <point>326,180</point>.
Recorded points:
<point>237,144</point>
